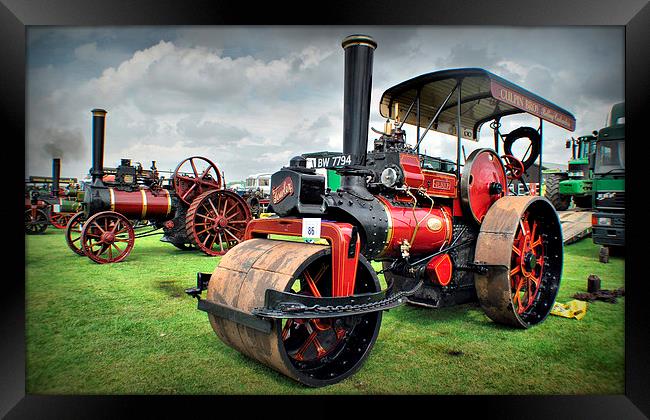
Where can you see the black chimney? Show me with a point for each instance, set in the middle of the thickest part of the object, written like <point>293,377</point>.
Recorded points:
<point>97,171</point>
<point>359,51</point>
<point>56,176</point>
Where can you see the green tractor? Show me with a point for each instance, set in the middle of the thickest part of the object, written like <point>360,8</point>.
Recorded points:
<point>577,182</point>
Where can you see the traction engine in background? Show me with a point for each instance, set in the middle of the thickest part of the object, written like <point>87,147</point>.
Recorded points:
<point>192,209</point>
<point>56,206</point>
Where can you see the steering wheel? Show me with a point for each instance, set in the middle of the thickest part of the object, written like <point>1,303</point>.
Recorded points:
<point>193,176</point>
<point>514,167</point>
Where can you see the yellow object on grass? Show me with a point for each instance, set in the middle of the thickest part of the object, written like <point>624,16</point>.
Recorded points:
<point>573,309</point>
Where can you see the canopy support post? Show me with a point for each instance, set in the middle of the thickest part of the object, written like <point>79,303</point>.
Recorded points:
<point>539,189</point>
<point>435,117</point>
<point>417,116</point>
<point>458,128</point>
<point>497,134</point>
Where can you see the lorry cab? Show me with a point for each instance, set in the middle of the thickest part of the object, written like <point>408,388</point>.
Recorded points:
<point>259,181</point>
<point>608,221</point>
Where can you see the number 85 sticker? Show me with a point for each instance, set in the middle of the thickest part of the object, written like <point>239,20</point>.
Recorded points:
<point>311,227</point>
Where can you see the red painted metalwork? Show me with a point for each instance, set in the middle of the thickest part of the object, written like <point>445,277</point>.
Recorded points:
<point>485,169</point>
<point>321,336</point>
<point>457,208</point>
<point>40,204</point>
<point>188,187</point>
<point>413,176</point>
<point>101,234</point>
<point>338,235</point>
<point>142,203</point>
<point>514,167</point>
<point>440,269</point>
<point>527,264</point>
<point>216,221</point>
<point>434,228</point>
<point>440,184</point>
<point>73,233</point>
<point>60,220</point>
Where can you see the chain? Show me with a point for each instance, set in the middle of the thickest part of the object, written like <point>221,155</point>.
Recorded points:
<point>353,308</point>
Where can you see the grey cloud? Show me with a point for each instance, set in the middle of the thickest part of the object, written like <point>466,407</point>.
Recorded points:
<point>211,132</point>
<point>281,87</point>
<point>321,122</point>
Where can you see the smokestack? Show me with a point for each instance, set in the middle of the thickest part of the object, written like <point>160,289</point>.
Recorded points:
<point>56,176</point>
<point>359,51</point>
<point>97,170</point>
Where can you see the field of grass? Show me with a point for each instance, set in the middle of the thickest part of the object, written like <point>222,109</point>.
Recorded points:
<point>129,328</point>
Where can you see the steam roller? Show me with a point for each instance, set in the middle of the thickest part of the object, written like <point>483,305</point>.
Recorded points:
<point>312,351</point>
<point>298,293</point>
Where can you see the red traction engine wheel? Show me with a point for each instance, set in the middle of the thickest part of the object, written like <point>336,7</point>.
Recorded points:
<point>521,242</point>
<point>102,233</point>
<point>36,221</point>
<point>60,220</point>
<point>216,221</point>
<point>73,233</point>
<point>205,177</point>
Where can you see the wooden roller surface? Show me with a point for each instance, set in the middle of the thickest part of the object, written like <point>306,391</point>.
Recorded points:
<point>240,281</point>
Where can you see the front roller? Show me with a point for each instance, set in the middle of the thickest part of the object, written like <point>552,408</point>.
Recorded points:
<point>315,351</point>
<point>520,242</point>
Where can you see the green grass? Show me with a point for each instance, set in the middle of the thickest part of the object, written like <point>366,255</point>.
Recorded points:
<point>129,328</point>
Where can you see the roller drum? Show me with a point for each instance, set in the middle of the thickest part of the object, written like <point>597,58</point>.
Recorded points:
<point>252,267</point>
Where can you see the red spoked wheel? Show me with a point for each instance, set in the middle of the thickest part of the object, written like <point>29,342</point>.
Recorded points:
<point>527,265</point>
<point>36,221</point>
<point>194,176</point>
<point>102,233</point>
<point>307,341</point>
<point>216,221</point>
<point>60,220</point>
<point>73,232</point>
<point>514,167</point>
<point>520,244</point>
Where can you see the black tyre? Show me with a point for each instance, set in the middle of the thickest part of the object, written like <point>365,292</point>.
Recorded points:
<point>533,149</point>
<point>559,201</point>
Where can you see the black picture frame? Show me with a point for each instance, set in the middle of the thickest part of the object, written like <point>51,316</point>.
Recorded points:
<point>16,15</point>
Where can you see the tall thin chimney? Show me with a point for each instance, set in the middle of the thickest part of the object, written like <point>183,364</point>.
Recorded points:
<point>56,176</point>
<point>97,170</point>
<point>359,50</point>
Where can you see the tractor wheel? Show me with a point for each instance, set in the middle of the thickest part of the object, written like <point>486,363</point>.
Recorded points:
<point>73,232</point>
<point>216,221</point>
<point>559,201</point>
<point>102,232</point>
<point>315,352</point>
<point>520,242</point>
<point>60,220</point>
<point>583,202</point>
<point>36,221</point>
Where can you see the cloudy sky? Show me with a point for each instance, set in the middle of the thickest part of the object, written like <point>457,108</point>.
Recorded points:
<point>249,98</point>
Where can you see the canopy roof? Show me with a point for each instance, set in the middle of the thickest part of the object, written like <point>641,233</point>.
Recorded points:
<point>484,97</point>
